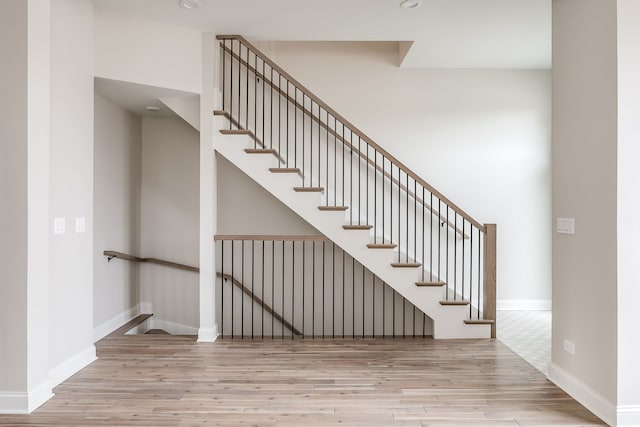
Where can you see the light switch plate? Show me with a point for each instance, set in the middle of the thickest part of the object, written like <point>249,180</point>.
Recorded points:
<point>59,226</point>
<point>80,225</point>
<point>566,226</point>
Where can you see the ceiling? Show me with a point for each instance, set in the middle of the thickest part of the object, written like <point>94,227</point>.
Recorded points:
<point>134,97</point>
<point>446,33</point>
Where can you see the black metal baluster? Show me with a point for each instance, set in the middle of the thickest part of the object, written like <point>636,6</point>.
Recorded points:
<point>295,127</point>
<point>351,179</point>
<point>367,181</point>
<point>304,119</point>
<point>375,194</point>
<point>293,284</point>
<point>233,278</point>
<point>335,161</point>
<point>313,292</point>
<point>280,117</point>
<point>246,74</point>
<point>384,308</point>
<point>455,255</point>
<point>343,168</point>
<point>264,76</point>
<point>407,216</point>
<point>446,254</point>
<point>242,294</point>
<point>311,147</point>
<point>373,307</point>
<point>393,320</point>
<point>363,299</point>
<point>463,257</point>
<point>273,284</point>
<point>287,118</point>
<point>430,236</point>
<point>390,202</point>
<point>255,99</point>
<point>239,83</point>
<point>282,294</point>
<point>323,281</point>
<point>404,316</point>
<point>304,244</point>
<point>439,243</point>
<point>479,262</point>
<point>333,290</point>
<point>224,74</point>
<point>423,236</point>
<point>222,280</point>
<point>359,182</point>
<point>415,223</point>
<point>271,109</point>
<point>327,163</point>
<point>231,92</point>
<point>383,210</point>
<point>319,148</point>
<point>253,265</point>
<point>262,294</point>
<point>343,291</point>
<point>353,297</point>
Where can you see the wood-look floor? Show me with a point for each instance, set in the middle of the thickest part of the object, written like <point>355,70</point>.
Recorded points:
<point>162,380</point>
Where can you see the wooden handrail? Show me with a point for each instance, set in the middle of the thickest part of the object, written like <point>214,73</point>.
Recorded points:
<point>269,237</point>
<point>260,302</point>
<point>354,129</point>
<point>114,254</point>
<point>333,133</point>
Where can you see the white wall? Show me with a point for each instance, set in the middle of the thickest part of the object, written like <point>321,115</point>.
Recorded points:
<point>116,206</point>
<point>584,188</point>
<point>146,52</point>
<point>169,218</point>
<point>13,193</point>
<point>246,208</point>
<point>628,210</point>
<point>71,178</point>
<point>481,137</point>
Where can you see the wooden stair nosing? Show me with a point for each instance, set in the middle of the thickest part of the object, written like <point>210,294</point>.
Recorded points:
<point>308,189</point>
<point>333,208</point>
<point>357,227</point>
<point>454,302</point>
<point>428,284</point>
<point>479,322</point>
<point>284,170</point>
<point>406,264</point>
<point>236,132</point>
<point>382,245</point>
<point>260,151</point>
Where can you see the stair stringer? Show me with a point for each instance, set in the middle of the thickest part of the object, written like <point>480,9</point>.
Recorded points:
<point>448,321</point>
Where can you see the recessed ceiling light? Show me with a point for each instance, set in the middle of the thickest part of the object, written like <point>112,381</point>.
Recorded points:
<point>152,108</point>
<point>189,4</point>
<point>410,4</point>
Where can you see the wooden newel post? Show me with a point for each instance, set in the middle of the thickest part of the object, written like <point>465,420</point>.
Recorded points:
<point>489,305</point>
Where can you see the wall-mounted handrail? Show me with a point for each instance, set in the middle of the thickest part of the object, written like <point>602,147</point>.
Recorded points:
<point>360,134</point>
<point>114,254</point>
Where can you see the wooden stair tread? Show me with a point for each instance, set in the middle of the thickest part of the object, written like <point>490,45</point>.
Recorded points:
<point>357,227</point>
<point>382,245</point>
<point>157,332</point>
<point>435,284</point>
<point>406,264</point>
<point>308,189</point>
<point>284,170</point>
<point>236,132</point>
<point>260,151</point>
<point>333,208</point>
<point>220,113</point>
<point>454,302</point>
<point>479,322</point>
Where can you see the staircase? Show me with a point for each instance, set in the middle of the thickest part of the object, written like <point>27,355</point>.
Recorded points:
<point>355,193</point>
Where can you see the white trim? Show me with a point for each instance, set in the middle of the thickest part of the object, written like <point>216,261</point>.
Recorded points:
<point>38,396</point>
<point>524,304</point>
<point>171,327</point>
<point>25,402</point>
<point>628,415</point>
<point>592,400</point>
<point>72,365</point>
<point>116,321</point>
<point>145,308</point>
<point>208,334</point>
<point>13,402</point>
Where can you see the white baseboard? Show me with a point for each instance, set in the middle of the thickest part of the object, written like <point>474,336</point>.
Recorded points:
<point>72,365</point>
<point>524,304</point>
<point>584,394</point>
<point>628,415</point>
<point>116,321</point>
<point>208,334</point>
<point>25,402</point>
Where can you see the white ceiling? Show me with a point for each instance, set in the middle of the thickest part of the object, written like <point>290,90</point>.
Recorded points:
<point>134,97</point>
<point>446,33</point>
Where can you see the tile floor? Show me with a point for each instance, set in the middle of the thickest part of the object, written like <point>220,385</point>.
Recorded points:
<point>528,334</point>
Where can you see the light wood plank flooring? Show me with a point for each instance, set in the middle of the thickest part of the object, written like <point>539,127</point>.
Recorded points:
<point>164,380</point>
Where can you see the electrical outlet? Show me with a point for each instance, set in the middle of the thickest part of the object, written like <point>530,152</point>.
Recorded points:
<point>80,225</point>
<point>569,347</point>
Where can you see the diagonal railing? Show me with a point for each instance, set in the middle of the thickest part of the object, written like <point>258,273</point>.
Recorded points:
<point>357,175</point>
